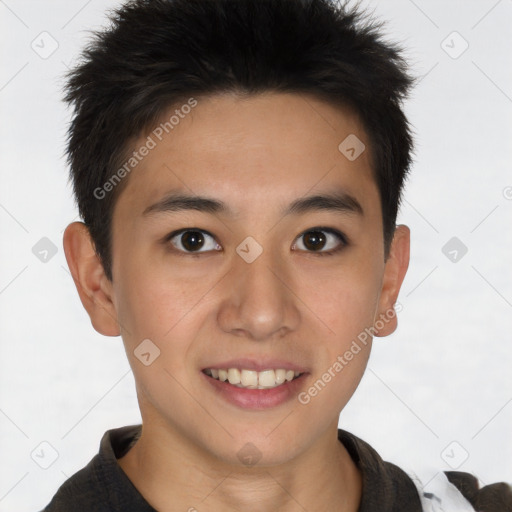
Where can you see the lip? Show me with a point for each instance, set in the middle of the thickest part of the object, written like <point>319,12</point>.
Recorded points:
<point>258,365</point>
<point>256,399</point>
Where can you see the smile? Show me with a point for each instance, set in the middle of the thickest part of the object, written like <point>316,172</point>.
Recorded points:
<point>251,379</point>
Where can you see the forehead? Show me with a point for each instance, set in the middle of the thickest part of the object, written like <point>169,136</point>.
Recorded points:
<point>247,151</point>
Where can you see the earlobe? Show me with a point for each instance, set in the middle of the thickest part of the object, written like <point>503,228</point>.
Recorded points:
<point>89,277</point>
<point>394,274</point>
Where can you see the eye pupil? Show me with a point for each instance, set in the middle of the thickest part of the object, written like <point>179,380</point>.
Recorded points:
<point>192,240</point>
<point>314,240</point>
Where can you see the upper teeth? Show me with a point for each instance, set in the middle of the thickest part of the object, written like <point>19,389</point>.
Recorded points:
<point>251,378</point>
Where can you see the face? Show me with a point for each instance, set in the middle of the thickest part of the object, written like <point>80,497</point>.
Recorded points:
<point>254,276</point>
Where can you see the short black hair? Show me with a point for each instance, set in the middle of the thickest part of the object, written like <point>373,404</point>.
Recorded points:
<point>159,53</point>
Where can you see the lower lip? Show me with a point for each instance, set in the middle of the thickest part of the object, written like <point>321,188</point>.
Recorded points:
<point>256,398</point>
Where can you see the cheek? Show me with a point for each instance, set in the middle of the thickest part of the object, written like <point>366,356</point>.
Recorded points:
<point>344,299</point>
<point>152,303</point>
<point>332,389</point>
<point>158,310</point>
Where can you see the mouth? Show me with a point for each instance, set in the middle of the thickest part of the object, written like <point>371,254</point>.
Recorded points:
<point>252,379</point>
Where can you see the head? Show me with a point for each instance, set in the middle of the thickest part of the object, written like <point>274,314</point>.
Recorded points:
<point>230,120</point>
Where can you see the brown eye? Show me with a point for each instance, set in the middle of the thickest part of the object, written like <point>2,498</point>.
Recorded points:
<point>193,240</point>
<point>314,240</point>
<point>323,241</point>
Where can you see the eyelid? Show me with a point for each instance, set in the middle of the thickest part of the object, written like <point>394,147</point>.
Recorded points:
<point>184,230</point>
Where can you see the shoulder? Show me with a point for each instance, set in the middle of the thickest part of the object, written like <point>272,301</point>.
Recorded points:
<point>102,486</point>
<point>386,487</point>
<point>447,491</point>
<point>495,497</point>
<point>81,491</point>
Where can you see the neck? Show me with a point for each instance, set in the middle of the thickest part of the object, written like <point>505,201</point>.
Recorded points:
<point>172,475</point>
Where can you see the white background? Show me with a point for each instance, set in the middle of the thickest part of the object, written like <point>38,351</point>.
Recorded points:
<point>443,376</point>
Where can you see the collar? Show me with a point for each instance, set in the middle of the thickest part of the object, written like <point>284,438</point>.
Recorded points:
<point>386,487</point>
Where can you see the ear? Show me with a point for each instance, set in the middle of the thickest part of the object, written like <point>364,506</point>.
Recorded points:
<point>394,273</point>
<point>94,288</point>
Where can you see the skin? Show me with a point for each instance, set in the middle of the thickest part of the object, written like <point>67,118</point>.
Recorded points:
<point>257,154</point>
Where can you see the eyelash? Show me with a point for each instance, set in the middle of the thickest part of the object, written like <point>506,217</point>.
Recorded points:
<point>338,234</point>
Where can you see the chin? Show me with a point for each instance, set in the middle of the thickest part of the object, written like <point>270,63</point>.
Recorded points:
<point>256,448</point>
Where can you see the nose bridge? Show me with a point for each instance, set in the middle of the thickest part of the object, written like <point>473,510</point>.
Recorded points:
<point>258,302</point>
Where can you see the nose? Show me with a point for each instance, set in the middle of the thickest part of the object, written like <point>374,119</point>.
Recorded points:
<point>259,302</point>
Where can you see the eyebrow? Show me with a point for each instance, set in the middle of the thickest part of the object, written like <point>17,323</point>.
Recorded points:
<point>340,201</point>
